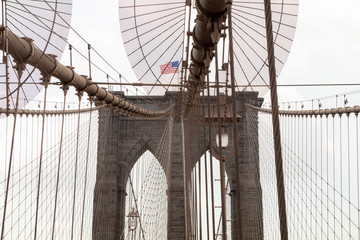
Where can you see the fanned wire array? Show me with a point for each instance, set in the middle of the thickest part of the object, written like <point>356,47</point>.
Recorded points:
<point>46,23</point>
<point>151,43</point>
<point>153,34</point>
<point>40,171</point>
<point>321,167</point>
<point>250,50</point>
<point>27,56</point>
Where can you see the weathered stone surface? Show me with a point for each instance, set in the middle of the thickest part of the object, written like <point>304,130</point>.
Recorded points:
<point>119,148</point>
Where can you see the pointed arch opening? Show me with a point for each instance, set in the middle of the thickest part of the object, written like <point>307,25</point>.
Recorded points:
<point>146,204</point>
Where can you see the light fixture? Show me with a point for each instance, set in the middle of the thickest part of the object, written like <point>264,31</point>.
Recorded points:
<point>224,139</point>
<point>132,220</point>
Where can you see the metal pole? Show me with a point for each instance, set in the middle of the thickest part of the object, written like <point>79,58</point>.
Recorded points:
<point>235,133</point>
<point>276,124</point>
<point>222,160</point>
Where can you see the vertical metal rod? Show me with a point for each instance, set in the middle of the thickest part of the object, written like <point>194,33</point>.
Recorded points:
<point>357,168</point>
<point>234,120</point>
<point>120,82</point>
<point>46,81</point>
<point>6,52</point>
<point>276,124</point>
<point>89,54</point>
<point>86,169</point>
<point>211,159</point>
<point>194,190</point>
<point>183,78</point>
<point>59,163</point>
<point>186,203</point>
<point>222,160</point>
<point>70,49</point>
<point>10,158</point>
<point>206,171</point>
<point>107,80</point>
<point>198,158</point>
<point>76,166</point>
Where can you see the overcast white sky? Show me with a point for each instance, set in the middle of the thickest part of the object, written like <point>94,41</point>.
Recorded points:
<point>326,48</point>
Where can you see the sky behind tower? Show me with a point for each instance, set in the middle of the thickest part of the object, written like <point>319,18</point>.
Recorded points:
<point>326,46</point>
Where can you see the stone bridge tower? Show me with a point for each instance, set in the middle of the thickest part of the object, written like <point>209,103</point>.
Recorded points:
<point>121,147</point>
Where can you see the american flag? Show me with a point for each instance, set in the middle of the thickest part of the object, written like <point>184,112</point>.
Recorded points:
<point>170,67</point>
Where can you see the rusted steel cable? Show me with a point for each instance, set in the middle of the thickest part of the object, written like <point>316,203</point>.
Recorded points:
<point>48,112</point>
<point>86,170</point>
<point>40,162</point>
<point>321,112</point>
<point>211,161</point>
<point>234,120</point>
<point>276,122</point>
<point>23,50</point>
<point>10,163</point>
<point>59,164</point>
<point>221,159</point>
<point>76,165</point>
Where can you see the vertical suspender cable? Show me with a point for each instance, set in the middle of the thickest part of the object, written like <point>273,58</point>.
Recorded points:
<point>321,172</point>
<point>6,53</point>
<point>341,178</point>
<point>357,169</point>
<point>86,168</point>
<point>120,82</point>
<point>349,173</point>
<point>299,119</point>
<point>211,158</point>
<point>327,175</point>
<point>333,158</point>
<point>59,161</point>
<point>70,50</point>
<point>183,76</point>
<point>89,54</point>
<point>234,120</point>
<point>206,170</point>
<point>119,150</point>
<point>76,165</point>
<point>186,194</point>
<point>46,80</point>
<point>198,159</point>
<point>21,167</point>
<point>11,156</point>
<point>222,161</point>
<point>195,187</point>
<point>303,135</point>
<point>311,173</point>
<point>276,124</point>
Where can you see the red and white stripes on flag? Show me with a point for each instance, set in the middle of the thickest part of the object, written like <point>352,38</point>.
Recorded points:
<point>170,67</point>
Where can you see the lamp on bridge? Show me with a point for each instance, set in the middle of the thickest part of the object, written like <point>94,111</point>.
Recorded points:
<point>132,220</point>
<point>224,138</point>
<point>225,117</point>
